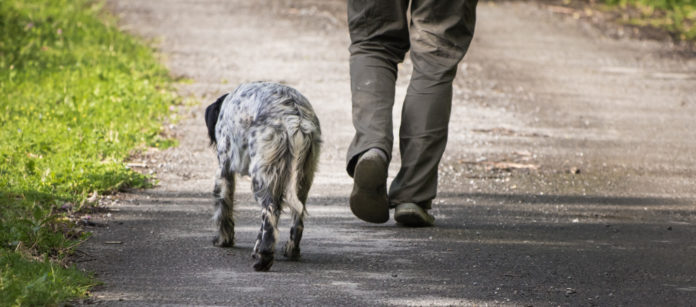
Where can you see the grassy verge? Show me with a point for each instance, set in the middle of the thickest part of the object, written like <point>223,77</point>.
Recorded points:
<point>77,97</point>
<point>676,16</point>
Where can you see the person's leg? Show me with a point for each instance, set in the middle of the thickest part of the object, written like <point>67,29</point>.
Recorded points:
<point>441,32</point>
<point>379,41</point>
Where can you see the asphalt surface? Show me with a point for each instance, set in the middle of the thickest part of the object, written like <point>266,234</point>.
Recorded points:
<point>568,178</point>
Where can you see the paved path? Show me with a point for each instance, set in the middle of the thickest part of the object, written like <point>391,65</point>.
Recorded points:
<point>568,179</point>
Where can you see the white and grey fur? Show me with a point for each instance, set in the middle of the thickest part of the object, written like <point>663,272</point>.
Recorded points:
<point>269,132</point>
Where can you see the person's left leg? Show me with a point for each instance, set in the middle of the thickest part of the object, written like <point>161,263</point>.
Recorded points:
<point>441,32</point>
<point>379,41</point>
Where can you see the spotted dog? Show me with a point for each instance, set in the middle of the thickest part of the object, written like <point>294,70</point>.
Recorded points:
<point>269,132</point>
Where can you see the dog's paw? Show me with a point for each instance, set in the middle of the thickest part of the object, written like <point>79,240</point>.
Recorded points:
<point>219,242</point>
<point>264,261</point>
<point>291,251</point>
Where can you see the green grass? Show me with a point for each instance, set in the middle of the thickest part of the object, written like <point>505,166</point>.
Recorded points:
<point>36,283</point>
<point>675,16</point>
<point>77,97</point>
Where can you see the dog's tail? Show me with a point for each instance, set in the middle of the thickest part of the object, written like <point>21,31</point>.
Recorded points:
<point>304,146</point>
<point>211,117</point>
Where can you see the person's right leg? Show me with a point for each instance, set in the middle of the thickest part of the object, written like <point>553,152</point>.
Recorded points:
<point>441,32</point>
<point>379,41</point>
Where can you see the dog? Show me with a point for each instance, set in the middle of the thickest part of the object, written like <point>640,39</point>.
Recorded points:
<point>269,132</point>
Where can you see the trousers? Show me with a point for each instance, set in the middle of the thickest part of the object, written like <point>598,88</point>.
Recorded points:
<point>438,36</point>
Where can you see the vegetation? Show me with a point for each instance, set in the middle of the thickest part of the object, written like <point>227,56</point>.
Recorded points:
<point>77,97</point>
<point>36,283</point>
<point>675,16</point>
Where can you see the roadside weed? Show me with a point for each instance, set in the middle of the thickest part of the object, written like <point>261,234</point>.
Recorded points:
<point>676,16</point>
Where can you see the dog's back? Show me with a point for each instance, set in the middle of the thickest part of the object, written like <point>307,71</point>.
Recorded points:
<point>259,111</point>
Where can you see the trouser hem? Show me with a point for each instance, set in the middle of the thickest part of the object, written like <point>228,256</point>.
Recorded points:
<point>355,153</point>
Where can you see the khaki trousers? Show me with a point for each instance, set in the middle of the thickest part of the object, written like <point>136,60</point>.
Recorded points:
<point>439,35</point>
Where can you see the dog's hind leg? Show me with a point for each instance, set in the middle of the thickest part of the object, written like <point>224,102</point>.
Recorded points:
<point>306,154</point>
<point>264,186</point>
<point>292,247</point>
<point>224,205</point>
<point>264,250</point>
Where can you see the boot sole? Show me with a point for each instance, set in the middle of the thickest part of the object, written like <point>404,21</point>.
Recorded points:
<point>368,200</point>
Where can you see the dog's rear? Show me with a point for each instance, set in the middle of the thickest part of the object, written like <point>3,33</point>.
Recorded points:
<point>269,132</point>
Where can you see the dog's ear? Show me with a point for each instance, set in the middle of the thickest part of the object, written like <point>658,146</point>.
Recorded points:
<point>211,117</point>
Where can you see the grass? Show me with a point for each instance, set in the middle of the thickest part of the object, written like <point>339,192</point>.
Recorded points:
<point>36,283</point>
<point>676,16</point>
<point>77,98</point>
